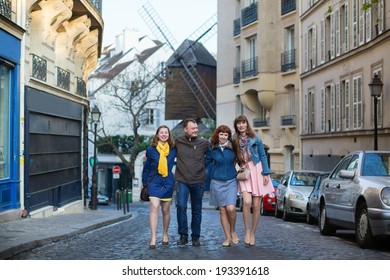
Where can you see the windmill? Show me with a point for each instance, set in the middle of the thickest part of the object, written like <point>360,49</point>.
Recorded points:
<point>192,92</point>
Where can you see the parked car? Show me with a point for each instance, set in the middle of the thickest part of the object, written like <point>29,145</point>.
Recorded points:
<point>356,195</point>
<point>102,198</point>
<point>268,203</point>
<point>312,212</point>
<point>293,192</point>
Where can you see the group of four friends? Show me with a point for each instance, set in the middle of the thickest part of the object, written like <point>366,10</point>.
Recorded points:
<point>197,157</point>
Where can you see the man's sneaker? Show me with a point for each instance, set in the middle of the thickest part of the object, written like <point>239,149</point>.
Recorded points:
<point>195,242</point>
<point>183,239</point>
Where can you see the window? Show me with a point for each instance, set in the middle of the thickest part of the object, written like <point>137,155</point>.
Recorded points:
<point>357,102</point>
<point>5,77</point>
<point>309,113</point>
<point>323,46</point>
<point>149,117</point>
<point>355,9</point>
<point>338,107</point>
<point>323,110</point>
<point>346,28</point>
<point>347,103</point>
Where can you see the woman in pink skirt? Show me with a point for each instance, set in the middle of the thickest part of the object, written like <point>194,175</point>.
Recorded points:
<point>251,154</point>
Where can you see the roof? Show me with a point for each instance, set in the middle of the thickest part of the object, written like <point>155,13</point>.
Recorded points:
<point>193,53</point>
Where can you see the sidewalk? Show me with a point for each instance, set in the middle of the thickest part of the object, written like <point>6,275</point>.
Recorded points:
<point>25,234</point>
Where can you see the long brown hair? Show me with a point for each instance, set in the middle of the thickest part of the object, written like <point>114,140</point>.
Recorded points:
<point>236,145</point>
<point>214,141</point>
<point>170,140</point>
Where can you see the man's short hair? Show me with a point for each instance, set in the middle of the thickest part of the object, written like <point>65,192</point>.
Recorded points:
<point>186,121</point>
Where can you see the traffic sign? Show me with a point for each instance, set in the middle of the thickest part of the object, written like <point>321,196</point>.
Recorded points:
<point>116,169</point>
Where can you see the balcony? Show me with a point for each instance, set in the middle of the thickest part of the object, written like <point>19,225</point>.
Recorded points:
<point>249,67</point>
<point>261,122</point>
<point>63,79</point>
<point>97,4</point>
<point>39,68</point>
<point>81,87</point>
<point>288,6</point>
<point>6,8</point>
<point>236,75</point>
<point>288,60</point>
<point>236,27</point>
<point>249,14</point>
<point>288,120</point>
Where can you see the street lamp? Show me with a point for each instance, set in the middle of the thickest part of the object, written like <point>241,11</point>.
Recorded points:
<point>376,90</point>
<point>95,116</point>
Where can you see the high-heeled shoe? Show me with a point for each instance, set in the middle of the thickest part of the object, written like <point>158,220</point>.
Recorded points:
<point>226,244</point>
<point>165,243</point>
<point>152,247</point>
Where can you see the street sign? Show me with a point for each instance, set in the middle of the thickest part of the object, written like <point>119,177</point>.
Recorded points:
<point>116,169</point>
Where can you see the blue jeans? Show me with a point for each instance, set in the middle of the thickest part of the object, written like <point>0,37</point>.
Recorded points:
<point>196,193</point>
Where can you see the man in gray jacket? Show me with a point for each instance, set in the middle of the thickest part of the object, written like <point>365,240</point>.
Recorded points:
<point>190,177</point>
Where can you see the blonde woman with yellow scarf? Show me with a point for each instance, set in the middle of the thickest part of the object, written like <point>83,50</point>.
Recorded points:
<point>160,158</point>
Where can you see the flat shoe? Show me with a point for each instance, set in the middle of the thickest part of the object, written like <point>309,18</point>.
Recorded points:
<point>226,244</point>
<point>247,244</point>
<point>235,242</point>
<point>165,243</point>
<point>152,247</point>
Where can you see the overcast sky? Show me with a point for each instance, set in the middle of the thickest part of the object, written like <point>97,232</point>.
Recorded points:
<point>182,18</point>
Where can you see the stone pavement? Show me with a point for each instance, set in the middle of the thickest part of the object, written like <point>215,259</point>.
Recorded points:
<point>25,234</point>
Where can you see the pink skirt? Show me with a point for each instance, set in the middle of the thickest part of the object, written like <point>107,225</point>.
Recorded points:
<point>255,184</point>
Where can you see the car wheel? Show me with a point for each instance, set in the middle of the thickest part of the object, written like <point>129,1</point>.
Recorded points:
<point>262,211</point>
<point>325,227</point>
<point>363,229</point>
<point>278,214</point>
<point>286,216</point>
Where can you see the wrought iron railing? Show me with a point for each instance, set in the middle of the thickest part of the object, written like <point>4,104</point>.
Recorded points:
<point>236,26</point>
<point>63,78</point>
<point>287,120</point>
<point>6,8</point>
<point>81,88</point>
<point>97,4</point>
<point>39,68</point>
<point>249,67</point>
<point>288,60</point>
<point>249,14</point>
<point>260,122</point>
<point>236,75</point>
<point>288,6</point>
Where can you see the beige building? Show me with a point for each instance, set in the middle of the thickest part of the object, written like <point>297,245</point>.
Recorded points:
<point>342,48</point>
<point>51,48</point>
<point>258,73</point>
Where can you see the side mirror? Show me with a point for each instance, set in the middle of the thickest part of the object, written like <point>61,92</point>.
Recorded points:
<point>346,174</point>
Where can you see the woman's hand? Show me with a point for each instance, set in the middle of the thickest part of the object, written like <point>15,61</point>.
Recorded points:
<point>266,179</point>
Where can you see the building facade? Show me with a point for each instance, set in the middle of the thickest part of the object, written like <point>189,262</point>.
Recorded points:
<point>258,73</point>
<point>59,48</point>
<point>344,45</point>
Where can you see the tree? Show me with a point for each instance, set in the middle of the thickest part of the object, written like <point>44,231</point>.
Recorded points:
<point>130,93</point>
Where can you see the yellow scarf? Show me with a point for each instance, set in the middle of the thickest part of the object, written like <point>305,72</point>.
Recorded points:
<point>163,162</point>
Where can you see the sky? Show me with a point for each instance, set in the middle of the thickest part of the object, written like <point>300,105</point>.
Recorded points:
<point>181,17</point>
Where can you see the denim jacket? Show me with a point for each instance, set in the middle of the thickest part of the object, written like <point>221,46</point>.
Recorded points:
<point>220,163</point>
<point>256,148</point>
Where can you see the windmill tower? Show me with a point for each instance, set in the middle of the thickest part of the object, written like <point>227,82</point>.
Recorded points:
<point>190,77</point>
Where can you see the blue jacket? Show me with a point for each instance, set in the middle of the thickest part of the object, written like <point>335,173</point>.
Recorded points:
<point>256,148</point>
<point>158,186</point>
<point>220,165</point>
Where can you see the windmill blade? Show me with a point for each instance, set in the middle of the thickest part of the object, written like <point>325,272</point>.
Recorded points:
<point>157,26</point>
<point>204,32</point>
<point>199,89</point>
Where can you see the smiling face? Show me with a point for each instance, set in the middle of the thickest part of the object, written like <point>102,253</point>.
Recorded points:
<point>163,135</point>
<point>223,137</point>
<point>242,127</point>
<point>191,130</point>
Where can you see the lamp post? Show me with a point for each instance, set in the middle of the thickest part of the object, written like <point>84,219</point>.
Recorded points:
<point>376,90</point>
<point>95,116</point>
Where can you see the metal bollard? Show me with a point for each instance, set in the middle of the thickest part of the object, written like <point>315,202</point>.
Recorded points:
<point>127,200</point>
<point>118,200</point>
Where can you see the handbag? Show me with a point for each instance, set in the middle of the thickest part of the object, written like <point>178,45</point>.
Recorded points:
<point>243,174</point>
<point>144,196</point>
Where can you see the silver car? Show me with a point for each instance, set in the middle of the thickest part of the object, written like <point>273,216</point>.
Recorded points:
<point>293,192</point>
<point>356,195</point>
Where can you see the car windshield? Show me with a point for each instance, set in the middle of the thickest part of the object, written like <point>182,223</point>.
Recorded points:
<point>376,164</point>
<point>303,179</point>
